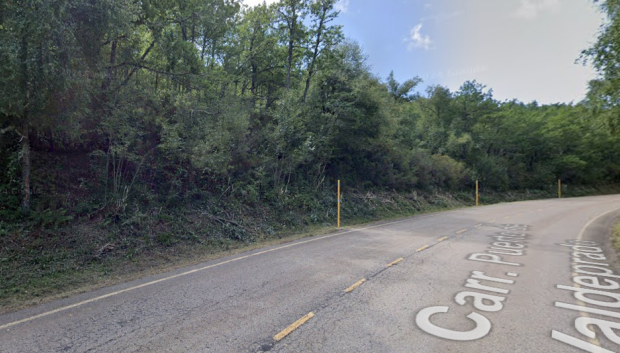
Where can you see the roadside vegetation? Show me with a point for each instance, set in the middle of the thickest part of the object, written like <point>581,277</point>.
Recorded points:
<point>615,237</point>
<point>142,134</point>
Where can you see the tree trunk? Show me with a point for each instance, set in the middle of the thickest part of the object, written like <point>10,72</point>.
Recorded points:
<point>51,141</point>
<point>25,154</point>
<point>136,67</point>
<point>315,54</point>
<point>110,74</point>
<point>253,66</point>
<point>204,45</point>
<point>269,101</point>
<point>213,52</point>
<point>290,63</point>
<point>254,76</point>
<point>183,30</point>
<point>291,45</point>
<point>25,140</point>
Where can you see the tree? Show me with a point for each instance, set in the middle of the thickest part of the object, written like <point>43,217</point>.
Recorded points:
<point>325,36</point>
<point>400,91</point>
<point>261,65</point>
<point>292,14</point>
<point>605,53</point>
<point>43,72</point>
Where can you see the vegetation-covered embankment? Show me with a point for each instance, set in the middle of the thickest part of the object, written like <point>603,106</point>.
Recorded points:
<point>39,261</point>
<point>136,131</point>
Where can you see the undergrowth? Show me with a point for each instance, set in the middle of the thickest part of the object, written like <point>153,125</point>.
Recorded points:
<point>616,237</point>
<point>53,253</point>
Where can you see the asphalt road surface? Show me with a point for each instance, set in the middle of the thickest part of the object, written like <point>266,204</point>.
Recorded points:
<point>535,276</point>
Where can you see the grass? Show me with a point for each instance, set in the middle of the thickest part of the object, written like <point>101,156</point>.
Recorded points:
<point>616,237</point>
<point>45,264</point>
<point>39,265</point>
<point>60,276</point>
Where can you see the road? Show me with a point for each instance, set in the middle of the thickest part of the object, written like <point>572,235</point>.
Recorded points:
<point>534,276</point>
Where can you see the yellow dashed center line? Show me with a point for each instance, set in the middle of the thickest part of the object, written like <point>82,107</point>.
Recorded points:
<point>91,300</point>
<point>461,231</point>
<point>355,285</point>
<point>442,239</point>
<point>395,262</point>
<point>506,217</point>
<point>422,248</point>
<point>492,221</point>
<point>294,326</point>
<point>478,225</point>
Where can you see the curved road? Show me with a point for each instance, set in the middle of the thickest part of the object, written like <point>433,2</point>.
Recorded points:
<point>535,276</point>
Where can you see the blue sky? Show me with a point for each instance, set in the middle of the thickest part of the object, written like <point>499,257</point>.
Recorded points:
<point>523,49</point>
<point>385,28</point>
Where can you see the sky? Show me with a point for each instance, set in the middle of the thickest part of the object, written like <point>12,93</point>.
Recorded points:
<point>522,49</point>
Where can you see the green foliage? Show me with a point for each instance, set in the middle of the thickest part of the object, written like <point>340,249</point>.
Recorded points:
<point>9,185</point>
<point>615,237</point>
<point>400,91</point>
<point>153,128</point>
<point>51,218</point>
<point>156,105</point>
<point>605,52</point>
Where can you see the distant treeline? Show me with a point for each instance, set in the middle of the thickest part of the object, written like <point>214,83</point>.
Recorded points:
<point>160,101</point>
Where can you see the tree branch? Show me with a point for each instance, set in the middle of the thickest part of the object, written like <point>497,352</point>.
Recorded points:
<point>136,67</point>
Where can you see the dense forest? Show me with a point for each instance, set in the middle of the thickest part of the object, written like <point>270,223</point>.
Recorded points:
<point>115,110</point>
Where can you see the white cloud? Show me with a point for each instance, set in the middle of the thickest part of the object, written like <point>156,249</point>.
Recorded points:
<point>342,5</point>
<point>530,9</point>
<point>417,40</point>
<point>252,3</point>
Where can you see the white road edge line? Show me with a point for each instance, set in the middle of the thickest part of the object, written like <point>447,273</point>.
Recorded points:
<point>580,237</point>
<point>47,313</point>
<point>584,313</point>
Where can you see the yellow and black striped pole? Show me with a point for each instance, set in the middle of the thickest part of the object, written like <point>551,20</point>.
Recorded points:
<point>477,195</point>
<point>559,188</point>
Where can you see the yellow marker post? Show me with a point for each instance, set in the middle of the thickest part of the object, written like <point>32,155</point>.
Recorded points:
<point>559,188</point>
<point>477,195</point>
<point>338,203</point>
